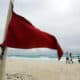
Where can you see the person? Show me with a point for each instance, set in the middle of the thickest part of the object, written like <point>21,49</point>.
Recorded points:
<point>70,55</point>
<point>2,52</point>
<point>78,59</point>
<point>67,57</point>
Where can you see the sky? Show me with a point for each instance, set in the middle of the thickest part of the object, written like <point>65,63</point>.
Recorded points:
<point>57,17</point>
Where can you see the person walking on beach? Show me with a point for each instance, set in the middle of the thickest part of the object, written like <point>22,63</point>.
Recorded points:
<point>67,58</point>
<point>78,59</point>
<point>70,58</point>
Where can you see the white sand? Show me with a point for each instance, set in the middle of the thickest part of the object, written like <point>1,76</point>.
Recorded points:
<point>41,70</point>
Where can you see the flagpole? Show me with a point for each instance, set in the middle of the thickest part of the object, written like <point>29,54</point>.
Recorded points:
<point>4,48</point>
<point>2,63</point>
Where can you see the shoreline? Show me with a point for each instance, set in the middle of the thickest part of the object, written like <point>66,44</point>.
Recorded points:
<point>63,59</point>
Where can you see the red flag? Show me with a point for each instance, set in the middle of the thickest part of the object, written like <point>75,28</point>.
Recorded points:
<point>22,34</point>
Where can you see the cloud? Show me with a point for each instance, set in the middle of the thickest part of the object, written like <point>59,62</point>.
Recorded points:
<point>57,17</point>
<point>3,17</point>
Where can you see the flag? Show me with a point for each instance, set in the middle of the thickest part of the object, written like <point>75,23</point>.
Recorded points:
<point>23,34</point>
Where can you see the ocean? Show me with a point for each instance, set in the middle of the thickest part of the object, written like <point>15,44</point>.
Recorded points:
<point>35,56</point>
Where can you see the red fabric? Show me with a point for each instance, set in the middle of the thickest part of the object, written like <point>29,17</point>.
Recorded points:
<point>22,34</point>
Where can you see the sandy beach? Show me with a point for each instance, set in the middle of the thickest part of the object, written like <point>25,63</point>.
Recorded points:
<point>18,69</point>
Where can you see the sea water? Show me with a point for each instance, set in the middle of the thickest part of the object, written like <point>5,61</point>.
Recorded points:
<point>43,56</point>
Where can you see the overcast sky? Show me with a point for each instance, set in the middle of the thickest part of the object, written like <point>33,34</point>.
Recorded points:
<point>57,17</point>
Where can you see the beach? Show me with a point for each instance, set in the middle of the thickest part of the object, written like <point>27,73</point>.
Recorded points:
<point>21,69</point>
